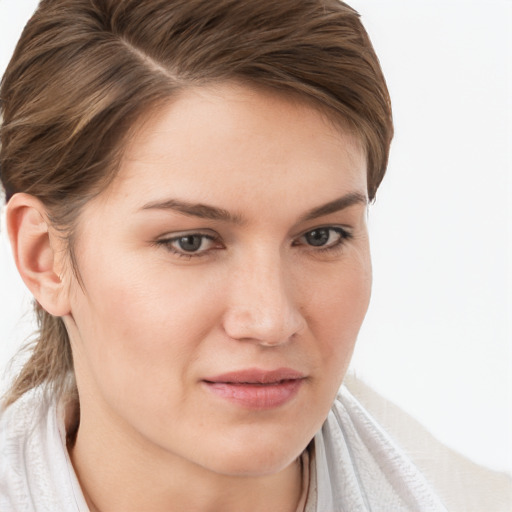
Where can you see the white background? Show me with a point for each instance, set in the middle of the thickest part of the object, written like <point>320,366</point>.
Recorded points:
<point>438,337</point>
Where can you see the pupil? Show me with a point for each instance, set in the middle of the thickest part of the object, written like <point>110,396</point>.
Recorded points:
<point>190,243</point>
<point>317,237</point>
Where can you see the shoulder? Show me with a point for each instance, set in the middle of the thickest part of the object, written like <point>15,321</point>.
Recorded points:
<point>20,429</point>
<point>359,468</point>
<point>34,473</point>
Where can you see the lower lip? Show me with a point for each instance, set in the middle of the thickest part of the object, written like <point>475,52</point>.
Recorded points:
<point>257,396</point>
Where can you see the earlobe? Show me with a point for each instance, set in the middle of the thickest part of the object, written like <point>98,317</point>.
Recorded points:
<point>35,252</point>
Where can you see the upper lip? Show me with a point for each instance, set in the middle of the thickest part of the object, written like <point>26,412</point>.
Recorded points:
<point>256,376</point>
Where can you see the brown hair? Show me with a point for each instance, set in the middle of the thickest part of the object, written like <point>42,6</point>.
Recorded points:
<point>85,70</point>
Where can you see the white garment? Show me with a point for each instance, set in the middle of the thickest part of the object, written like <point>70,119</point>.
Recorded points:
<point>359,469</point>
<point>355,466</point>
<point>36,474</point>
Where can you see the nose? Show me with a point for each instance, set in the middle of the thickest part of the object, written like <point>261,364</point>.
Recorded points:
<point>261,305</point>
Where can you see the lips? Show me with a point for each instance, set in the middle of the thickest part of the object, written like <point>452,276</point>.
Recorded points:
<point>256,389</point>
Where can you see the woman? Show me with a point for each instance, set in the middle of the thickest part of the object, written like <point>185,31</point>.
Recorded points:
<point>187,185</point>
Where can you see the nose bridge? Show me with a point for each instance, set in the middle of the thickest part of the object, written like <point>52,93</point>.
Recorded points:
<point>262,306</point>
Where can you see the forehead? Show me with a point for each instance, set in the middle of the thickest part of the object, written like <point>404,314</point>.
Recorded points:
<point>215,143</point>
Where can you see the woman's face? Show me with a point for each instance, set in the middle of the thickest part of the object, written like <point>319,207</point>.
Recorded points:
<point>226,273</point>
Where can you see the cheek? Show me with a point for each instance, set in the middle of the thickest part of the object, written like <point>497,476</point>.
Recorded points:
<point>145,325</point>
<point>337,309</point>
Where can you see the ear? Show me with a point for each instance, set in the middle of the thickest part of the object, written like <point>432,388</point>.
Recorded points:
<point>38,252</point>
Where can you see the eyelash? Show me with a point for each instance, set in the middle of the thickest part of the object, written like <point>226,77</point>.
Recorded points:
<point>167,243</point>
<point>343,236</point>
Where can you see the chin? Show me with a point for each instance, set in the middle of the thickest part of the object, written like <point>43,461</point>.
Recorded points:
<point>256,458</point>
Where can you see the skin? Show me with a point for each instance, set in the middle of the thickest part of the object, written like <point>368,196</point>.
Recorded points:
<point>150,324</point>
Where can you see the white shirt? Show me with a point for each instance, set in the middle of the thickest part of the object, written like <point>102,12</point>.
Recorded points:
<point>355,466</point>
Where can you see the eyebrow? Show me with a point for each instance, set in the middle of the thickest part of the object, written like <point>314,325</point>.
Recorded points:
<point>205,211</point>
<point>337,205</point>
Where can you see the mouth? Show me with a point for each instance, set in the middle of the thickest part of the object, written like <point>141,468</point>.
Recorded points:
<point>257,389</point>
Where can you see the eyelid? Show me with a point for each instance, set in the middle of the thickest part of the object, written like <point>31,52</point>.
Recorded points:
<point>167,241</point>
<point>175,235</point>
<point>345,234</point>
<point>346,231</point>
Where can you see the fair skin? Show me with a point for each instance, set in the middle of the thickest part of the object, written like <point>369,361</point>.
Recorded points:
<point>274,273</point>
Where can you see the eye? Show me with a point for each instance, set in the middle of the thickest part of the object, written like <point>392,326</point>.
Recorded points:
<point>324,238</point>
<point>189,244</point>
